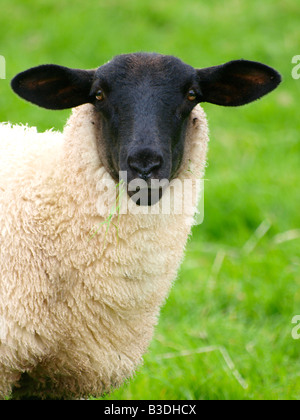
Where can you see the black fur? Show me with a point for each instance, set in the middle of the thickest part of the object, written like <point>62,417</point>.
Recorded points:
<point>146,103</point>
<point>237,82</point>
<point>54,87</point>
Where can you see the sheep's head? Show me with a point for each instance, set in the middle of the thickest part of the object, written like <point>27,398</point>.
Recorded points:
<point>144,101</point>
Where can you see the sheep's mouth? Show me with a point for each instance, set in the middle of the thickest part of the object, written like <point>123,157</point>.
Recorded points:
<point>146,196</point>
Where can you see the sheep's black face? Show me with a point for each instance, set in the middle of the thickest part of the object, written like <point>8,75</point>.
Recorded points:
<point>144,101</point>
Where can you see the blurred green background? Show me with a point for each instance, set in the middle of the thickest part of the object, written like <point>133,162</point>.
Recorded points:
<point>225,331</point>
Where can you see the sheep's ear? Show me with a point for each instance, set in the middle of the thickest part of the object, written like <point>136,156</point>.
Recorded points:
<point>237,82</point>
<point>54,87</point>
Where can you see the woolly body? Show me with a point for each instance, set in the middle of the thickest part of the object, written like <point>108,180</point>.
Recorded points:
<point>77,313</point>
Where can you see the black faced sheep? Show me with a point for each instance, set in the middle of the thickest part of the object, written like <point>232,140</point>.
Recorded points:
<point>81,285</point>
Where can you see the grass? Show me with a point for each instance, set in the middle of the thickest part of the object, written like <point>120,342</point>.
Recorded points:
<point>115,210</point>
<point>225,331</point>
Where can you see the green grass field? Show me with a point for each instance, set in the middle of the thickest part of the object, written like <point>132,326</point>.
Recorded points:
<point>225,331</point>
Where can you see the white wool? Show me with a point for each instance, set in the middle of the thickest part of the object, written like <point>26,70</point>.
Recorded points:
<point>80,297</point>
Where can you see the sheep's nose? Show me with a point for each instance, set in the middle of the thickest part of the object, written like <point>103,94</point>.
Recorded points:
<point>145,163</point>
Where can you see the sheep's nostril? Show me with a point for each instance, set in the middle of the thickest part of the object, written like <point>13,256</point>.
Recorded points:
<point>145,168</point>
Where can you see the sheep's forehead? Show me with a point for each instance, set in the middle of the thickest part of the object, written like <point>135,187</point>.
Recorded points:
<point>141,65</point>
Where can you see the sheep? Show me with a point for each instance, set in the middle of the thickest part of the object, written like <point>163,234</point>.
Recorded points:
<point>77,311</point>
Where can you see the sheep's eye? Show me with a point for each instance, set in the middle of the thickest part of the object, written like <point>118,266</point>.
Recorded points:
<point>100,95</point>
<point>192,95</point>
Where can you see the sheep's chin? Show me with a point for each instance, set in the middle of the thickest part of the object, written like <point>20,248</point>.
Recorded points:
<point>146,197</point>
